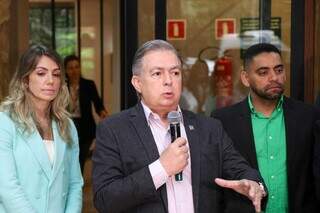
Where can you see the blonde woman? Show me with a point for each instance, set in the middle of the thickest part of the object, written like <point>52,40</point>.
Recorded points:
<point>39,166</point>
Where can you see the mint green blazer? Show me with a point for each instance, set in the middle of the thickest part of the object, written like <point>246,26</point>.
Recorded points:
<point>28,182</point>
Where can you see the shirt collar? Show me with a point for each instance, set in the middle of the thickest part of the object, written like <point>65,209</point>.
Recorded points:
<point>278,107</point>
<point>149,114</point>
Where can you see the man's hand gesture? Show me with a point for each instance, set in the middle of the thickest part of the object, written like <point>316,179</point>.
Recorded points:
<point>249,188</point>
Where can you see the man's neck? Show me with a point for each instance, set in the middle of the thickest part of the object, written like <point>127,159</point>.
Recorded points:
<point>162,113</point>
<point>264,106</point>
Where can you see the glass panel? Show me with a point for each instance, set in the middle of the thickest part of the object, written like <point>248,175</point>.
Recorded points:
<point>90,40</point>
<point>282,9</point>
<point>317,53</point>
<point>41,29</point>
<point>40,23</point>
<point>145,21</point>
<point>111,57</point>
<point>212,35</point>
<point>65,28</point>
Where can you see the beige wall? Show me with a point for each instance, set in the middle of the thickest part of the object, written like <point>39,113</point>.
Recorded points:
<point>4,46</point>
<point>13,38</point>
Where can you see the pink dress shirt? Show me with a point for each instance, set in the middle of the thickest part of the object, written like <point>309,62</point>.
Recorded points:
<point>179,194</point>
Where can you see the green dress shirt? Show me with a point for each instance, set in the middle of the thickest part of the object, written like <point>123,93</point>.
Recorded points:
<point>270,143</point>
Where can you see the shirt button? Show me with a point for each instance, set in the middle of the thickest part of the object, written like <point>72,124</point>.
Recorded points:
<point>270,137</point>
<point>271,157</point>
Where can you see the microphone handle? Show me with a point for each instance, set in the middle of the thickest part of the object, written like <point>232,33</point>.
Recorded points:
<point>175,133</point>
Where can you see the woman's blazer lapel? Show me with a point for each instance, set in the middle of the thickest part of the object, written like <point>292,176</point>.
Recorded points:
<point>35,143</point>
<point>37,147</point>
<point>60,147</point>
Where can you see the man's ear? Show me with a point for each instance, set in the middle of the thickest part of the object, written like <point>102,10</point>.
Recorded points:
<point>136,83</point>
<point>244,78</point>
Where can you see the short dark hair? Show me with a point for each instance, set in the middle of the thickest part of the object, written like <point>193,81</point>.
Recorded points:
<point>69,58</point>
<point>255,50</point>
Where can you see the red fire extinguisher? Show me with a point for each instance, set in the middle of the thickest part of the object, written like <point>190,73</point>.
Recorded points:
<point>223,81</point>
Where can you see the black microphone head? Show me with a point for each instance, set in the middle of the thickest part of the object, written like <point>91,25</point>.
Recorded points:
<point>174,117</point>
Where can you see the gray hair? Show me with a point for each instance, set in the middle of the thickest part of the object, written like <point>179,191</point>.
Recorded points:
<point>153,45</point>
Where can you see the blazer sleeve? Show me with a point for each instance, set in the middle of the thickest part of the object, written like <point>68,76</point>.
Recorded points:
<point>97,102</point>
<point>114,190</point>
<point>12,195</point>
<point>234,166</point>
<point>74,200</point>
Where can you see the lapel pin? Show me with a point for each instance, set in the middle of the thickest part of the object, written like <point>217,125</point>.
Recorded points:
<point>191,127</point>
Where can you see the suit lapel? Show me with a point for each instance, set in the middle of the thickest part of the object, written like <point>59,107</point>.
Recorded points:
<point>291,127</point>
<point>60,147</point>
<point>139,123</point>
<point>246,132</point>
<point>35,143</point>
<point>191,128</point>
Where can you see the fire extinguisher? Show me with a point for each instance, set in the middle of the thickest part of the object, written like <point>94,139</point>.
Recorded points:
<point>223,81</point>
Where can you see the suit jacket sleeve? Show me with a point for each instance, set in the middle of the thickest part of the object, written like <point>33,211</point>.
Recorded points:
<point>234,165</point>
<point>74,200</point>
<point>114,189</point>
<point>12,195</point>
<point>97,102</point>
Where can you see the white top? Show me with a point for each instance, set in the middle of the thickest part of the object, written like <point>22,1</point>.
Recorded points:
<point>50,149</point>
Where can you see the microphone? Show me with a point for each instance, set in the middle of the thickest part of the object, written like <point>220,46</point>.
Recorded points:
<point>174,118</point>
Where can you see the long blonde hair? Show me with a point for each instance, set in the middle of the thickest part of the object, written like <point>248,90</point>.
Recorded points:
<point>18,104</point>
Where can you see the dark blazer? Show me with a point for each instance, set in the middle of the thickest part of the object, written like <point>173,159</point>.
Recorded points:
<point>88,94</point>
<point>125,147</point>
<point>299,124</point>
<point>316,157</point>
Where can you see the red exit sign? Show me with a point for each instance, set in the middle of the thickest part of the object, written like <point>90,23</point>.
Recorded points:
<point>224,26</point>
<point>176,29</point>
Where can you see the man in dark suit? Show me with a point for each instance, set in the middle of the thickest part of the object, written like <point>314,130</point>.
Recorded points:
<point>134,163</point>
<point>274,133</point>
<point>83,94</point>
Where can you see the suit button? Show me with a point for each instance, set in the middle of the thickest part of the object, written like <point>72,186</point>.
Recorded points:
<point>37,197</point>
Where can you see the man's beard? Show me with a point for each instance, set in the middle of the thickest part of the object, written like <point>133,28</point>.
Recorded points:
<point>262,93</point>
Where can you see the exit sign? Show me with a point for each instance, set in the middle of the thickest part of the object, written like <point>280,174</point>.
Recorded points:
<point>176,29</point>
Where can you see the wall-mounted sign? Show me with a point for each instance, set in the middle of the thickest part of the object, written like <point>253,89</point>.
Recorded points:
<point>176,29</point>
<point>224,26</point>
<point>251,33</point>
